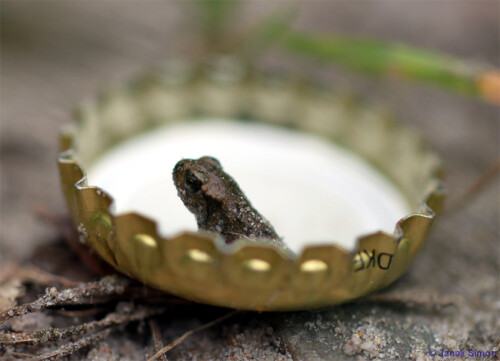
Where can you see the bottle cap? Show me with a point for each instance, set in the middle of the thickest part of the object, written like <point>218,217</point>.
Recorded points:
<point>253,276</point>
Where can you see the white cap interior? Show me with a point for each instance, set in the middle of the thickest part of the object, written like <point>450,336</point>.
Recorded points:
<point>311,190</point>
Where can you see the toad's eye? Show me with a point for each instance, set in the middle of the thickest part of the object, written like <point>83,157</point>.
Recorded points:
<point>192,183</point>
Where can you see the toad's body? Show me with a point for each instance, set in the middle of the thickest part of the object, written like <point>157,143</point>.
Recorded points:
<point>217,201</point>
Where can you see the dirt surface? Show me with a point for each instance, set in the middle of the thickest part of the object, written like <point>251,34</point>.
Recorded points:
<point>54,54</point>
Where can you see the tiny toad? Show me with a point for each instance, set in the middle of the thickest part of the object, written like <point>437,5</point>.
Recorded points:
<point>217,201</point>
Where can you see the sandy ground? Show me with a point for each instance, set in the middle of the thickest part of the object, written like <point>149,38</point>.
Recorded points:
<point>54,54</point>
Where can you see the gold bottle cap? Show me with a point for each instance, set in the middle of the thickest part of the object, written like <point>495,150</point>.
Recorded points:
<point>255,276</point>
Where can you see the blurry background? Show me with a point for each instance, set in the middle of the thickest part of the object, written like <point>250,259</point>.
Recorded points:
<point>54,54</point>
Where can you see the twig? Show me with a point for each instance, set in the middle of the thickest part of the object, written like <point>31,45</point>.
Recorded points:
<point>79,313</point>
<point>10,291</point>
<point>416,297</point>
<point>30,273</point>
<point>479,184</point>
<point>157,342</point>
<point>22,355</point>
<point>65,229</point>
<point>61,226</point>
<point>105,286</point>
<point>155,297</point>
<point>190,332</point>
<point>72,347</point>
<point>54,334</point>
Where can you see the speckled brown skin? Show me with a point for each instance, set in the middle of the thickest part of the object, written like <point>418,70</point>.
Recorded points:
<point>217,201</point>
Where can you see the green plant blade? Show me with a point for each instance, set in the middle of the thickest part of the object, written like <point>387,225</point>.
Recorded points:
<point>399,61</point>
<point>215,16</point>
<point>266,32</point>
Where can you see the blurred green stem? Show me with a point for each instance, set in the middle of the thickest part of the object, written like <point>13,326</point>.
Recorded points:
<point>215,16</point>
<point>266,33</point>
<point>400,61</point>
